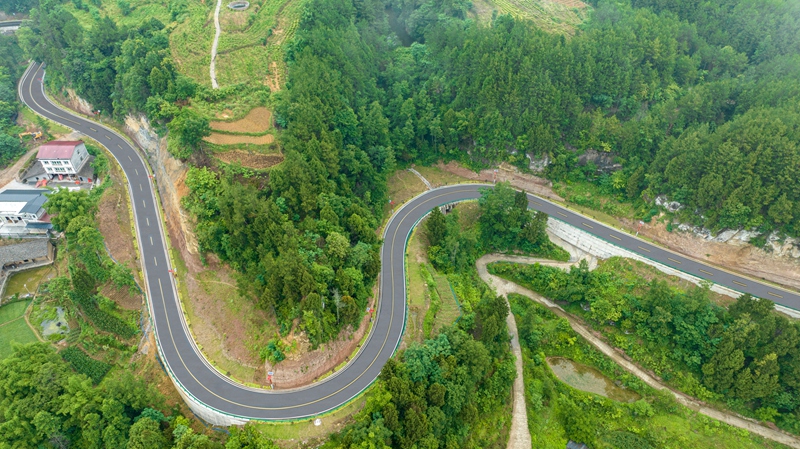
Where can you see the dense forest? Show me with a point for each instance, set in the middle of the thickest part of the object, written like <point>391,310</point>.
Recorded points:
<point>10,70</point>
<point>709,118</point>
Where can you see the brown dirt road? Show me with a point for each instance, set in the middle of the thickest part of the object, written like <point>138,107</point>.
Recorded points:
<point>9,173</point>
<point>504,287</point>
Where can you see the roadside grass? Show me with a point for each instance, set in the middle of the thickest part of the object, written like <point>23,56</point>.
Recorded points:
<point>438,177</point>
<point>26,282</point>
<point>30,117</point>
<point>417,293</point>
<point>588,199</point>
<point>639,273</point>
<point>403,185</point>
<point>300,433</point>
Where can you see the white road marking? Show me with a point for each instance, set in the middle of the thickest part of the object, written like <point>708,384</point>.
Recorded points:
<point>151,240</point>
<point>140,188</point>
<point>155,260</point>
<point>588,225</point>
<point>775,295</point>
<point>148,222</point>
<point>739,283</point>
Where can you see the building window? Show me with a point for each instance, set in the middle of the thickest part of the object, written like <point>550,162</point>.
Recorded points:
<point>45,162</point>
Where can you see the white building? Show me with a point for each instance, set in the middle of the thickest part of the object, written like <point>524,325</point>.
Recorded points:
<point>22,212</point>
<point>63,157</point>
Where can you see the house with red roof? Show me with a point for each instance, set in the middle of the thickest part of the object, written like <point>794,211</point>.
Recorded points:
<point>60,161</point>
<point>63,157</point>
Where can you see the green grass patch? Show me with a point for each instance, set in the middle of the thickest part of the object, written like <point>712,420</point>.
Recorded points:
<point>304,430</point>
<point>31,117</point>
<point>558,17</point>
<point>14,332</point>
<point>12,311</point>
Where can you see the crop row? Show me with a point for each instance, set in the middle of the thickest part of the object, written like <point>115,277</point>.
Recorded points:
<point>102,319</point>
<point>83,364</point>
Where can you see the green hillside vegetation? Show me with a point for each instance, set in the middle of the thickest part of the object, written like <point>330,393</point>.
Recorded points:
<point>557,412</point>
<point>745,357</point>
<point>11,68</point>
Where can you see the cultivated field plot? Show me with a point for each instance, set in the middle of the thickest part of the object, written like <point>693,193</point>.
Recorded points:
<point>552,15</point>
<point>250,46</point>
<point>235,139</point>
<point>13,328</point>
<point>257,121</point>
<point>250,159</point>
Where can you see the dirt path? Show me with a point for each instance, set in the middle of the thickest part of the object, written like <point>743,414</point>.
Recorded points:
<point>504,287</point>
<point>519,437</point>
<point>212,70</point>
<point>9,173</point>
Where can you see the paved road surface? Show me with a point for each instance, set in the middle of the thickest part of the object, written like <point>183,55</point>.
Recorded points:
<point>206,385</point>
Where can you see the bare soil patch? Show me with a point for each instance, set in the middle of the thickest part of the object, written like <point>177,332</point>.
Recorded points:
<point>533,184</point>
<point>258,120</point>
<point>746,259</point>
<point>230,139</point>
<point>249,159</point>
<point>274,80</point>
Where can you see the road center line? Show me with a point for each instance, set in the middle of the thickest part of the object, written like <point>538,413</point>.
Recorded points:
<point>643,249</point>
<point>151,240</point>
<point>588,225</point>
<point>615,237</point>
<point>706,272</point>
<point>775,295</point>
<point>673,260</point>
<point>155,260</point>
<point>739,283</point>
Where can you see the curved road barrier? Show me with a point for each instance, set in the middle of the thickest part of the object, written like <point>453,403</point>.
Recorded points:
<point>222,401</point>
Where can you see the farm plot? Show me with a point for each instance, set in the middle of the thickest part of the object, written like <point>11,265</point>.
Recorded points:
<point>13,328</point>
<point>235,139</point>
<point>257,121</point>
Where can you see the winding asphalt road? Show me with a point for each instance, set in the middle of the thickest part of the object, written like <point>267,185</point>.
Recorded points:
<point>202,382</point>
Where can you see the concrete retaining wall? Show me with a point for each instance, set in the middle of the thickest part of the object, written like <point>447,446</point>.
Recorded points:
<point>603,249</point>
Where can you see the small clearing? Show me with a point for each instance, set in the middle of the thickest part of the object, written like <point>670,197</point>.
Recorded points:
<point>249,159</point>
<point>258,120</point>
<point>231,139</point>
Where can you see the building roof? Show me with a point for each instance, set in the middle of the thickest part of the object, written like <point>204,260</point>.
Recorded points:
<point>58,149</point>
<point>26,249</point>
<point>22,201</point>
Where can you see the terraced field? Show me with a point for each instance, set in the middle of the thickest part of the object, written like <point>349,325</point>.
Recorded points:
<point>251,49</point>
